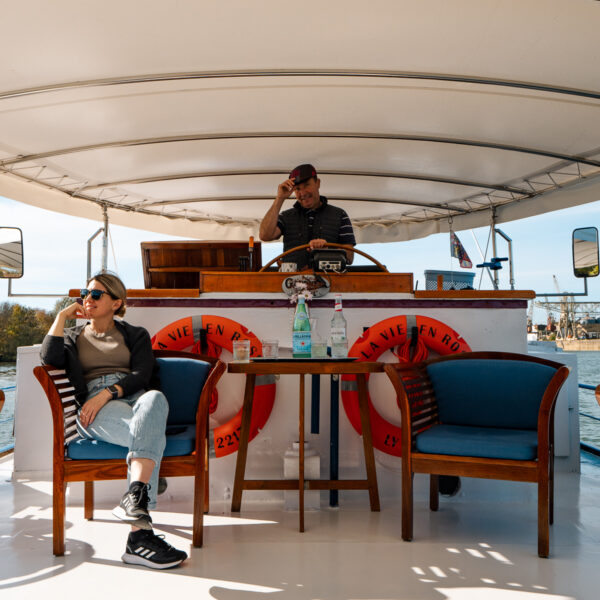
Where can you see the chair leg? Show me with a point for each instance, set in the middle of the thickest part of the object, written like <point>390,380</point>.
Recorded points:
<point>551,490</point>
<point>206,479</point>
<point>407,501</point>
<point>543,516</point>
<point>58,516</point>
<point>200,486</point>
<point>88,500</point>
<point>434,489</point>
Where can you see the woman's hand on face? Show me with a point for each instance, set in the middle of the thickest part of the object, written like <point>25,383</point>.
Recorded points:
<point>92,407</point>
<point>74,311</point>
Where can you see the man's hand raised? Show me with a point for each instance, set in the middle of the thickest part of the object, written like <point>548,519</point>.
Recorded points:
<point>285,190</point>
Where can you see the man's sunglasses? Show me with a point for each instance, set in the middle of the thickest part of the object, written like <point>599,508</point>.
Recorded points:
<point>95,294</point>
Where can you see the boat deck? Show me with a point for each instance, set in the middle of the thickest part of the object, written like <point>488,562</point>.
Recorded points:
<point>481,543</point>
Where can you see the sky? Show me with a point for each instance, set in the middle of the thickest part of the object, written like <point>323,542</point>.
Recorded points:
<point>56,260</point>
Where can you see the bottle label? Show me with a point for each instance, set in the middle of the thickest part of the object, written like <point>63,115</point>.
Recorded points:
<point>301,346</point>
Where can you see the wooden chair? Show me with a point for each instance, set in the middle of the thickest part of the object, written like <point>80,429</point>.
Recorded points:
<point>479,414</point>
<point>187,380</point>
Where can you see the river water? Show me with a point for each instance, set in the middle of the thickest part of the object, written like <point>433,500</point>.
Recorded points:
<point>8,376</point>
<point>588,367</point>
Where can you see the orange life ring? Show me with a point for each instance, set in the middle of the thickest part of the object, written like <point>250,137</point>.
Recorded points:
<point>385,335</point>
<point>221,332</point>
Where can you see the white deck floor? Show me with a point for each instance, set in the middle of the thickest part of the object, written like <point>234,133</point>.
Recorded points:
<point>474,547</point>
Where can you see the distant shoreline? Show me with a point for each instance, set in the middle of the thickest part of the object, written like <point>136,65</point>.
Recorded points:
<point>579,345</point>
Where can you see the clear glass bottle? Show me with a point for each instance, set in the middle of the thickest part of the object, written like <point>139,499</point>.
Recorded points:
<point>301,346</point>
<point>339,339</point>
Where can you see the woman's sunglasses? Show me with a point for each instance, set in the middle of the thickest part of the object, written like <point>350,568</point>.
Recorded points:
<point>95,294</point>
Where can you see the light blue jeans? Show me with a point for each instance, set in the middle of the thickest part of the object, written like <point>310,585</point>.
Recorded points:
<point>137,422</point>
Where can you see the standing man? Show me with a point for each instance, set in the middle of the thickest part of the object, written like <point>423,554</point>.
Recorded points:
<point>310,221</point>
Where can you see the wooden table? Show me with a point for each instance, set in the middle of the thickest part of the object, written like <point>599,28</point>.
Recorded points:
<point>304,367</point>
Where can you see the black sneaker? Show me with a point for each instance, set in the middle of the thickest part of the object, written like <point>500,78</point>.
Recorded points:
<point>133,508</point>
<point>151,550</point>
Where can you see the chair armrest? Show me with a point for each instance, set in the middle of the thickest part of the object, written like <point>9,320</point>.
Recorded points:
<point>210,384</point>
<point>216,372</point>
<point>61,397</point>
<point>416,399</point>
<point>545,427</point>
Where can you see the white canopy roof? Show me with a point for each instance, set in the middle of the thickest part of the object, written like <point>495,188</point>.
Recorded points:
<point>183,117</point>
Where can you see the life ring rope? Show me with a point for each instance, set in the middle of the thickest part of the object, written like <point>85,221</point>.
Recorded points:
<point>220,333</point>
<point>395,332</point>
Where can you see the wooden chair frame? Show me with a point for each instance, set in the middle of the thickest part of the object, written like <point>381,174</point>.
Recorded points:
<point>59,392</point>
<point>418,407</point>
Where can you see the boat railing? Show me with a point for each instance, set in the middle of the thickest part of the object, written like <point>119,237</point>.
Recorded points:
<point>8,447</point>
<point>588,447</point>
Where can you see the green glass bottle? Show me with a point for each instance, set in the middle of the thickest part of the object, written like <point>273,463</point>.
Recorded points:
<point>301,331</point>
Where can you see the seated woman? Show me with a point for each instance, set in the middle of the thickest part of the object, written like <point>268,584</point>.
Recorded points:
<point>112,368</point>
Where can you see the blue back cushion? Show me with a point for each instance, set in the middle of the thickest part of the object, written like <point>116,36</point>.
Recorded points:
<point>181,381</point>
<point>490,393</point>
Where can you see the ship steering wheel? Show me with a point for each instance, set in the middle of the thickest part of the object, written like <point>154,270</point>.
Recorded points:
<point>327,245</point>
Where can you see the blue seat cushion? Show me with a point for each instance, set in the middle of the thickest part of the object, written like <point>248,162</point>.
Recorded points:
<point>483,442</point>
<point>181,381</point>
<point>490,393</point>
<point>181,441</point>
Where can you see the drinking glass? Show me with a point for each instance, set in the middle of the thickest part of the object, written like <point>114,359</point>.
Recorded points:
<point>270,348</point>
<point>241,351</point>
<point>318,349</point>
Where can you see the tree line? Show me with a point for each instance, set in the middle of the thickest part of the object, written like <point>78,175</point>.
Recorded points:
<point>23,326</point>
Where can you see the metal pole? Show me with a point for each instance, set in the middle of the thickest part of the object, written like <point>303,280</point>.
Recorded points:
<point>584,293</point>
<point>11,295</point>
<point>89,253</point>
<point>510,257</point>
<point>494,252</point>
<point>105,239</point>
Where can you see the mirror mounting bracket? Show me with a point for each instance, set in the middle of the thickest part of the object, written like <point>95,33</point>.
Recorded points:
<point>556,294</point>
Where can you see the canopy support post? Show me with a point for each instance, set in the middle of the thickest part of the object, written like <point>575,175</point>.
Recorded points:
<point>494,251</point>
<point>105,239</point>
